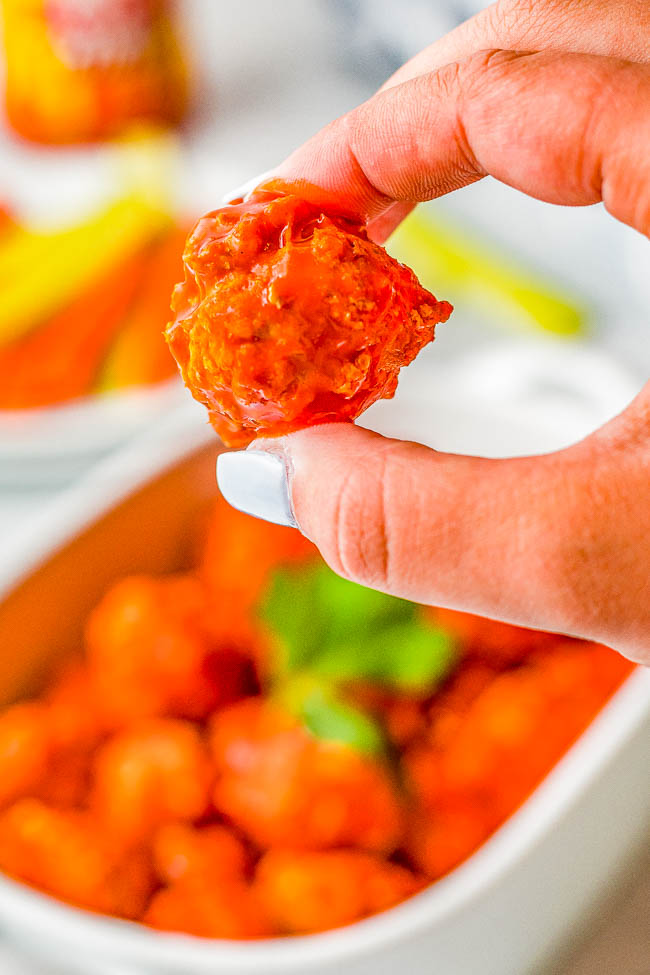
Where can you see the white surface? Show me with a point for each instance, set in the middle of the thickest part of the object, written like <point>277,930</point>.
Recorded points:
<point>12,963</point>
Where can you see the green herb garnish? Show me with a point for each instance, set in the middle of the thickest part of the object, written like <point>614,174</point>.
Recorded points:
<point>330,633</point>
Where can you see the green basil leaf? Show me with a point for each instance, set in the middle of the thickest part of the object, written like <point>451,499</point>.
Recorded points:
<point>329,717</point>
<point>411,657</point>
<point>289,608</point>
<point>343,632</point>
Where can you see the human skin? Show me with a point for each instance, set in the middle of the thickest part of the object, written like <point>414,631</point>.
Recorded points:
<point>552,98</point>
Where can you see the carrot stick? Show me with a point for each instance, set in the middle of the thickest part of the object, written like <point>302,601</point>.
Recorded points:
<point>42,273</point>
<point>139,354</point>
<point>59,360</point>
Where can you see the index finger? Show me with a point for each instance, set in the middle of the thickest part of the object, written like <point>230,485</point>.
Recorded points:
<point>572,129</point>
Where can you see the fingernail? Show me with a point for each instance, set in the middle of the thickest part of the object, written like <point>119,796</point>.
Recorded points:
<point>257,482</point>
<point>245,188</point>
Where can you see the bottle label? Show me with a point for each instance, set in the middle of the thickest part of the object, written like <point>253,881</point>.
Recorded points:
<point>98,33</point>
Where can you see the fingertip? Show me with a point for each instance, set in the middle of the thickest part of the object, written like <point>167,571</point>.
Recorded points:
<point>261,480</point>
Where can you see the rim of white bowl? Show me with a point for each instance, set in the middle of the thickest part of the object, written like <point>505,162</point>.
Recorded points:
<point>86,426</point>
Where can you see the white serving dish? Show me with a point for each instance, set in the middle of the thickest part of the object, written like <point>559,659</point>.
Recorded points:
<point>503,912</point>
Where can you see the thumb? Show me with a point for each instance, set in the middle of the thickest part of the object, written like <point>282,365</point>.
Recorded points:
<point>551,542</point>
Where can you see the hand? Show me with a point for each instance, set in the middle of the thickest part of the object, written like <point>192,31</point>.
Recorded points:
<point>552,98</point>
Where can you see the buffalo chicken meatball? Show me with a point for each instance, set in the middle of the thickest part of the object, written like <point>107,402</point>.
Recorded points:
<point>290,316</point>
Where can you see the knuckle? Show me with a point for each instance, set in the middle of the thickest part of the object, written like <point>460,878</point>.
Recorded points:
<point>483,68</point>
<point>622,160</point>
<point>447,80</point>
<point>364,526</point>
<point>604,137</point>
<point>597,90</point>
<point>466,84</point>
<point>589,565</point>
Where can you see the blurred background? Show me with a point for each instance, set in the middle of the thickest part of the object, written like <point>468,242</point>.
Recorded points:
<point>124,120</point>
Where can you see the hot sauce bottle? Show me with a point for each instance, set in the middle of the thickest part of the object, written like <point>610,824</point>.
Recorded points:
<point>83,70</point>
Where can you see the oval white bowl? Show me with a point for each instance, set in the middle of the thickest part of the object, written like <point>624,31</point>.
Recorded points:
<point>503,911</point>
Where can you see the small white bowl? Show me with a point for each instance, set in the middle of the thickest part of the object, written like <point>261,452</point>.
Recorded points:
<point>54,445</point>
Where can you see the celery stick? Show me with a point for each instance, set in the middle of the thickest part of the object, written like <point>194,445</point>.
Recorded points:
<point>40,273</point>
<point>450,263</point>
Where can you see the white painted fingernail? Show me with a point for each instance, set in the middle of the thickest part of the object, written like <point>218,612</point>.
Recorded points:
<point>257,482</point>
<point>245,188</point>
